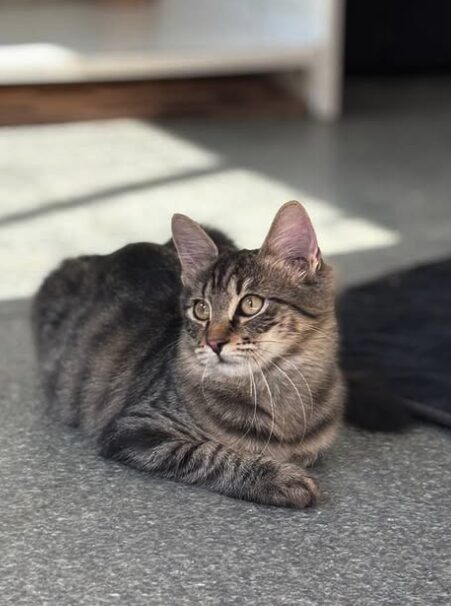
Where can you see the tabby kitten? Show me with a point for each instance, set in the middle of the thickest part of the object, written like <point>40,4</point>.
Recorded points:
<point>200,362</point>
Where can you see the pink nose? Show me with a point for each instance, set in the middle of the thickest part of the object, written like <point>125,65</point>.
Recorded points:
<point>217,345</point>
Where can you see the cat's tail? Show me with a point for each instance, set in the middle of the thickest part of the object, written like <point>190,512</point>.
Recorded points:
<point>372,406</point>
<point>375,357</point>
<point>379,341</point>
<point>396,348</point>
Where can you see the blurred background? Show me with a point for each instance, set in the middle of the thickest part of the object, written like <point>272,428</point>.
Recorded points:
<point>114,114</point>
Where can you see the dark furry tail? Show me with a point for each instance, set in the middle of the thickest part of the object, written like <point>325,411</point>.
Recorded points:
<point>371,405</point>
<point>396,348</point>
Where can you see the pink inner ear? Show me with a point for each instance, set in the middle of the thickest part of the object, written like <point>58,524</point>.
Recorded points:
<point>291,236</point>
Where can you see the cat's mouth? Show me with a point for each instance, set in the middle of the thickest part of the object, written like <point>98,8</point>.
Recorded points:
<point>229,365</point>
<point>230,359</point>
<point>227,359</point>
<point>232,363</point>
<point>221,359</point>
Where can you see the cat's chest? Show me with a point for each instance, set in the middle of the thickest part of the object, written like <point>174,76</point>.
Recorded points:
<point>267,418</point>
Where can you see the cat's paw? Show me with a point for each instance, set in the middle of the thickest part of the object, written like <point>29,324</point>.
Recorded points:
<point>293,487</point>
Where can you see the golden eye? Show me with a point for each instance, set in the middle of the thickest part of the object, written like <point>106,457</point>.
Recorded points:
<point>250,305</point>
<point>201,310</point>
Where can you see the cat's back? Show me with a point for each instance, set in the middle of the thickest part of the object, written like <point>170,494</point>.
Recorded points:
<point>93,312</point>
<point>142,275</point>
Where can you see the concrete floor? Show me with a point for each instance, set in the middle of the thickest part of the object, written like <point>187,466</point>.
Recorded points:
<point>77,530</point>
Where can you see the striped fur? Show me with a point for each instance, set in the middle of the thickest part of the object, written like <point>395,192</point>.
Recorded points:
<point>122,358</point>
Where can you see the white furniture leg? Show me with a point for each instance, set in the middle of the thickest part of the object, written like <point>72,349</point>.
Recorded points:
<point>319,84</point>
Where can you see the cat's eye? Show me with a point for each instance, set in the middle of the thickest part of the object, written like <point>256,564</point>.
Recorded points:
<point>250,305</point>
<point>201,310</point>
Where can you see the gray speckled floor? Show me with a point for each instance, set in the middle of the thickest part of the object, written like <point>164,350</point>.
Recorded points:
<point>75,529</point>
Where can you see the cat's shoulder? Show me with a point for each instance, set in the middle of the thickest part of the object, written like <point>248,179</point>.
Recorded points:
<point>141,270</point>
<point>135,270</point>
<point>141,256</point>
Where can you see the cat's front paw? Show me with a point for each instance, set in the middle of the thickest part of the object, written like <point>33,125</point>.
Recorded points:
<point>293,487</point>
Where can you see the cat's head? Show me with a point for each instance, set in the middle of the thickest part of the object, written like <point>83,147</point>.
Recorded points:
<point>249,308</point>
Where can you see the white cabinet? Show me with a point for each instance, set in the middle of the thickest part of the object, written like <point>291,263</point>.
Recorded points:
<point>79,40</point>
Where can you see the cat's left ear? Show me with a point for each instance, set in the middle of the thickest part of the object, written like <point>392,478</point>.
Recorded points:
<point>195,249</point>
<point>292,238</point>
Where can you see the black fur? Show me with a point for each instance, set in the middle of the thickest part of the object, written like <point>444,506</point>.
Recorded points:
<point>396,348</point>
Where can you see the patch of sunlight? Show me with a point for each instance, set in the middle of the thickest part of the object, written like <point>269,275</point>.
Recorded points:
<point>35,55</point>
<point>241,202</point>
<point>43,164</point>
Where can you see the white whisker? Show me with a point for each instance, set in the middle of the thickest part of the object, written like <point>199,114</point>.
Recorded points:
<point>301,401</point>
<point>273,411</point>
<point>253,395</point>
<point>301,374</point>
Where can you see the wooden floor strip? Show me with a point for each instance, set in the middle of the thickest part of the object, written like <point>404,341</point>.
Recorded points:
<point>225,96</point>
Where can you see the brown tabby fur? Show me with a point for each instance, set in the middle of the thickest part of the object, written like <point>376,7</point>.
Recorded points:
<point>123,356</point>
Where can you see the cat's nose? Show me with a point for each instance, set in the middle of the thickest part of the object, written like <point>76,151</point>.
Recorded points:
<point>217,344</point>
